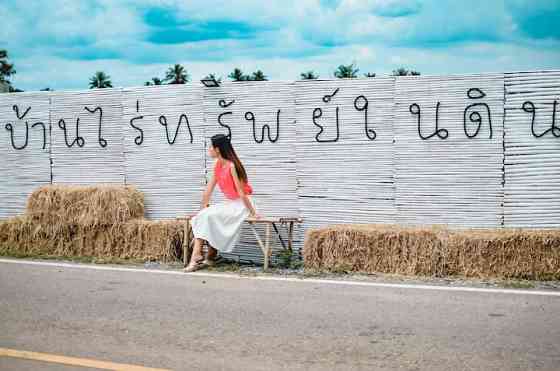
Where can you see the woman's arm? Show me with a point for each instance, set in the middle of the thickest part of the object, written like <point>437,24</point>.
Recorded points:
<point>241,192</point>
<point>208,192</point>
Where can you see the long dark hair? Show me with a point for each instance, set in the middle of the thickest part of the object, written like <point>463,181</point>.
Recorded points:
<point>223,143</point>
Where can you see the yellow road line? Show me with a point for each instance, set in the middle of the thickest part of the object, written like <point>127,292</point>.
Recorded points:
<point>53,358</point>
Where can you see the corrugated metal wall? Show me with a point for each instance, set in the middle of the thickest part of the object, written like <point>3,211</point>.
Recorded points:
<point>164,147</point>
<point>532,149</point>
<point>24,148</point>
<point>451,174</point>
<point>331,151</point>
<point>87,137</point>
<point>345,165</point>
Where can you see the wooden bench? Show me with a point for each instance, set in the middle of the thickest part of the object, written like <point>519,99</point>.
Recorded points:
<point>269,223</point>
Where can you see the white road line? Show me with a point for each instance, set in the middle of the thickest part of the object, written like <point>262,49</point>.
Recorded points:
<point>283,279</point>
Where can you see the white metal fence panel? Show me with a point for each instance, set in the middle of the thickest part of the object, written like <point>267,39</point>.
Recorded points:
<point>87,137</point>
<point>449,150</point>
<point>410,150</point>
<point>345,151</point>
<point>24,149</point>
<point>164,147</point>
<point>532,150</point>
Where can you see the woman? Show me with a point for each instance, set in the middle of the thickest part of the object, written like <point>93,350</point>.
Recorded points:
<point>220,224</point>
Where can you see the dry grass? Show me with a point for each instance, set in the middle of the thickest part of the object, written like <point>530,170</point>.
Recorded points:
<point>508,253</point>
<point>103,221</point>
<point>85,205</point>
<point>134,239</point>
<point>435,251</point>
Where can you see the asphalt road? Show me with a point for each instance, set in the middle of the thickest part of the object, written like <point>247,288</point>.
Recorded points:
<point>181,321</point>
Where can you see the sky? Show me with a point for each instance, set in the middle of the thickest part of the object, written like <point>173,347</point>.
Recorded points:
<point>60,44</point>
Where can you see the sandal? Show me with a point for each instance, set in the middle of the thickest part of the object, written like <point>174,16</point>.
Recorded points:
<point>196,266</point>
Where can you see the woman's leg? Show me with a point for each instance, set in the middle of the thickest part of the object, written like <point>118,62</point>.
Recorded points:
<point>197,251</point>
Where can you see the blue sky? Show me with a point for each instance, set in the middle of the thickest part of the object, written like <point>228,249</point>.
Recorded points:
<point>61,43</point>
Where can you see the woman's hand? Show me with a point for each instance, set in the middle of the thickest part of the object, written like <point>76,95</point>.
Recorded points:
<point>255,216</point>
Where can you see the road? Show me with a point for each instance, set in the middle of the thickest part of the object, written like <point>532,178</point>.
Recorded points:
<point>218,322</point>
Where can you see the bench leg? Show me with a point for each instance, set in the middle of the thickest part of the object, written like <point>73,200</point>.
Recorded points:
<point>188,244</point>
<point>263,246</point>
<point>290,236</point>
<point>267,246</point>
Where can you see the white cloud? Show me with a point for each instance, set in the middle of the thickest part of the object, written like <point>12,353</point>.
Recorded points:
<point>45,39</point>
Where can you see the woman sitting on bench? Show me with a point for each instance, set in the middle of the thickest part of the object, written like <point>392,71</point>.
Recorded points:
<point>220,224</point>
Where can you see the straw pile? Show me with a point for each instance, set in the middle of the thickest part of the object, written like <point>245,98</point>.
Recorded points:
<point>507,253</point>
<point>435,251</point>
<point>85,205</point>
<point>101,221</point>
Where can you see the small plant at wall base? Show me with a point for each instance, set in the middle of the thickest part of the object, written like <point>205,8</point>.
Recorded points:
<point>286,259</point>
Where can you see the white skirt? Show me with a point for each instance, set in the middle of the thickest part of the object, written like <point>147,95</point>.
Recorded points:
<point>220,224</point>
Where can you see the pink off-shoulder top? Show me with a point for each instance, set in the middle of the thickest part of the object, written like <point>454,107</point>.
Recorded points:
<point>225,181</point>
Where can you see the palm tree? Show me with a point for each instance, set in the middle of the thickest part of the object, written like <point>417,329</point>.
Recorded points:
<point>6,69</point>
<point>309,75</point>
<point>100,80</point>
<point>155,81</point>
<point>238,75</point>
<point>177,75</point>
<point>369,74</point>
<point>258,75</point>
<point>346,72</point>
<point>401,71</point>
<point>212,76</point>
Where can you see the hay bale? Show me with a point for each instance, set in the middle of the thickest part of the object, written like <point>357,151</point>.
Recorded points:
<point>434,251</point>
<point>143,239</point>
<point>508,253</point>
<point>12,231</point>
<point>103,221</point>
<point>373,248</point>
<point>137,239</point>
<point>85,205</point>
